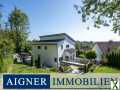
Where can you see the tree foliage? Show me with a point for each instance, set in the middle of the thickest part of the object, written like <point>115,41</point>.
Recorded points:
<point>6,47</point>
<point>113,59</point>
<point>90,55</point>
<point>19,24</point>
<point>102,12</point>
<point>14,37</point>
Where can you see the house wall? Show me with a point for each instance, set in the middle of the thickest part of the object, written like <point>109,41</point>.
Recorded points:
<point>98,52</point>
<point>64,43</point>
<point>47,56</point>
<point>53,51</point>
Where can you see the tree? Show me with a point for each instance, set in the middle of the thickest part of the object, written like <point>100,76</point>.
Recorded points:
<point>102,12</point>
<point>90,55</point>
<point>6,48</point>
<point>19,24</point>
<point>28,47</point>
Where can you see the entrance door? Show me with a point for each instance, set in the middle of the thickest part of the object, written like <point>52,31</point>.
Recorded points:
<point>67,58</point>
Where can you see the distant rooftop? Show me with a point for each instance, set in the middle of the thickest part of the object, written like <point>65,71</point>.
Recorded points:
<point>106,47</point>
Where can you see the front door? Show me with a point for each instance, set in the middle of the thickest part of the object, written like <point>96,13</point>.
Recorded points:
<point>67,58</point>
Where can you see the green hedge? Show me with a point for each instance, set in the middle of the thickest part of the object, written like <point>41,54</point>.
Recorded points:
<point>113,59</point>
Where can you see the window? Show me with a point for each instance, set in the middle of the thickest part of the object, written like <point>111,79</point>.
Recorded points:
<point>67,46</point>
<point>61,46</point>
<point>39,47</point>
<point>55,59</point>
<point>45,47</point>
<point>66,58</point>
<point>60,58</point>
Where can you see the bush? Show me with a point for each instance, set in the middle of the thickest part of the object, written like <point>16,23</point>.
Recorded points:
<point>5,64</point>
<point>1,64</point>
<point>92,68</point>
<point>113,59</point>
<point>53,69</point>
<point>82,56</point>
<point>90,55</point>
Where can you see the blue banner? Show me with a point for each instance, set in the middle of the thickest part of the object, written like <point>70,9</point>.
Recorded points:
<point>26,81</point>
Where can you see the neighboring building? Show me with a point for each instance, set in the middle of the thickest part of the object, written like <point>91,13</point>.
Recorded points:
<point>51,49</point>
<point>102,48</point>
<point>86,46</point>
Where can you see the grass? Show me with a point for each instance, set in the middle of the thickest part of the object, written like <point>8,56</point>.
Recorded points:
<point>20,68</point>
<point>9,67</point>
<point>5,64</point>
<point>106,69</point>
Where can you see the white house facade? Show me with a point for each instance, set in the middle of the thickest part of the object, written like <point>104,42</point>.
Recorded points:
<point>51,49</point>
<point>98,53</point>
<point>103,48</point>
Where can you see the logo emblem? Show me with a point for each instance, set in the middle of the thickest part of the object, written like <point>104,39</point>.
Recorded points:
<point>114,85</point>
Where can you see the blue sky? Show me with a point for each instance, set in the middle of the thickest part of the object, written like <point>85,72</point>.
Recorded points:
<point>57,16</point>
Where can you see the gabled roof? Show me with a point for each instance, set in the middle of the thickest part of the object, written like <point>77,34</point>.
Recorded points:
<point>60,34</point>
<point>52,40</point>
<point>109,46</point>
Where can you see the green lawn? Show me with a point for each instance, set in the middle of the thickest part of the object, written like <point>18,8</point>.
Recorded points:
<point>9,67</point>
<point>106,69</point>
<point>20,68</point>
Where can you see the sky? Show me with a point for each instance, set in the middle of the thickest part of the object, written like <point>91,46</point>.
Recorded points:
<point>57,16</point>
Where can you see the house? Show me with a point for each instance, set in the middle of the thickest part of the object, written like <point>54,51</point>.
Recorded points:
<point>51,49</point>
<point>102,48</point>
<point>86,46</point>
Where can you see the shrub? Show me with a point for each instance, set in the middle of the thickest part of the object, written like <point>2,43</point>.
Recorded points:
<point>5,63</point>
<point>113,59</point>
<point>1,64</point>
<point>90,55</point>
<point>82,56</point>
<point>53,69</point>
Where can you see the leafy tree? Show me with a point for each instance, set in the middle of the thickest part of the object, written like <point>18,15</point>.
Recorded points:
<point>6,48</point>
<point>19,24</point>
<point>102,12</point>
<point>90,55</point>
<point>28,47</point>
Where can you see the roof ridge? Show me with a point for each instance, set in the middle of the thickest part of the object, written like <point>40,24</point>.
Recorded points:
<point>58,34</point>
